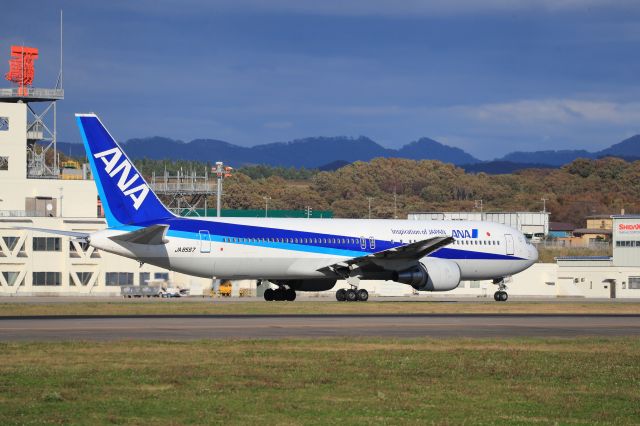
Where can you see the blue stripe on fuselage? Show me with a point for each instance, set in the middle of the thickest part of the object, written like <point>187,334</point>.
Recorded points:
<point>218,231</point>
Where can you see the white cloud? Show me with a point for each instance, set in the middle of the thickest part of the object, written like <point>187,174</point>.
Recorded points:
<point>278,125</point>
<point>382,7</point>
<point>554,111</point>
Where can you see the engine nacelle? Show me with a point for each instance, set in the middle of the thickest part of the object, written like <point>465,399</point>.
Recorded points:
<point>321,284</point>
<point>431,274</point>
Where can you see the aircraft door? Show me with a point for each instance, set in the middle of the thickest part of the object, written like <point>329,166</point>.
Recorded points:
<point>509,243</point>
<point>363,243</point>
<point>205,242</point>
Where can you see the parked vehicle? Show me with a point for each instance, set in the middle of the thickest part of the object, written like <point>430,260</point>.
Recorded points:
<point>140,291</point>
<point>174,292</point>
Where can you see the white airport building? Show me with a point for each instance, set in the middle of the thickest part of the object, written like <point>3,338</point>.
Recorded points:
<point>532,224</point>
<point>35,193</point>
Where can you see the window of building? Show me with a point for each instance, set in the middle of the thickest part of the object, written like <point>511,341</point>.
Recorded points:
<point>10,242</point>
<point>118,278</point>
<point>47,279</point>
<point>4,163</point>
<point>10,277</point>
<point>161,276</point>
<point>4,124</point>
<point>83,278</point>
<point>46,244</point>
<point>144,278</point>
<point>634,283</point>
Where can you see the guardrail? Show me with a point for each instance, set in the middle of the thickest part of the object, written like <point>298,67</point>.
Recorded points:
<point>22,213</point>
<point>182,187</point>
<point>31,92</point>
<point>560,244</point>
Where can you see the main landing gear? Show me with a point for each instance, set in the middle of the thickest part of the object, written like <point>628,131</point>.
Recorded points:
<point>280,294</point>
<point>500,295</point>
<point>352,295</point>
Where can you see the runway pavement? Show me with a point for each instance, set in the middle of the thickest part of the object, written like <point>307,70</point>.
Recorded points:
<point>189,327</point>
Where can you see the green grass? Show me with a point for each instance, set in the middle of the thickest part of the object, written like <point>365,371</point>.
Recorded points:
<point>178,307</point>
<point>322,381</point>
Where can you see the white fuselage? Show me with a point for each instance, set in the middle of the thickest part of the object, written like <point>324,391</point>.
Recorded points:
<point>300,248</point>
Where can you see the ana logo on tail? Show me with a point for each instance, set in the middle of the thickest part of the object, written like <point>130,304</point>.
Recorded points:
<point>113,165</point>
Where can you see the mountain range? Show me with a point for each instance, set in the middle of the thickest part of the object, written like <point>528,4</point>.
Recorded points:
<point>329,153</point>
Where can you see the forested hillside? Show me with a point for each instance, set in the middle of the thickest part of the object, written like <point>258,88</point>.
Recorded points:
<point>580,188</point>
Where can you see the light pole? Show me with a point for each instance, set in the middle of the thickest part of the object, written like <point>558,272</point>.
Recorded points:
<point>221,173</point>
<point>61,197</point>
<point>369,198</point>
<point>266,205</point>
<point>544,205</point>
<point>219,187</point>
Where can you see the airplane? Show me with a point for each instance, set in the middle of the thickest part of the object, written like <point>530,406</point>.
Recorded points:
<point>296,255</point>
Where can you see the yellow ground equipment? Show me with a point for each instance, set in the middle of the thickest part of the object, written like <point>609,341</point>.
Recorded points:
<point>225,289</point>
<point>71,170</point>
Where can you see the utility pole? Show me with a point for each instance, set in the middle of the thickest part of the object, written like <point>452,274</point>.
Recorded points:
<point>266,205</point>
<point>369,198</point>
<point>544,204</point>
<point>395,203</point>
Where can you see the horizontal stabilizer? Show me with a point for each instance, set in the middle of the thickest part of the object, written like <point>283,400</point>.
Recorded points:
<point>83,236</point>
<point>152,235</point>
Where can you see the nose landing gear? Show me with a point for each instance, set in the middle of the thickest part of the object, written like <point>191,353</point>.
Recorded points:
<point>500,295</point>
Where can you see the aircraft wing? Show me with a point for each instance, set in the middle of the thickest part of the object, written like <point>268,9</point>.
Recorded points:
<point>154,234</point>
<point>407,252</point>
<point>74,234</point>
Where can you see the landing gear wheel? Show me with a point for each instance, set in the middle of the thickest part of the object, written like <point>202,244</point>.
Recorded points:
<point>281,294</point>
<point>363,295</point>
<point>341,295</point>
<point>269,295</point>
<point>500,296</point>
<point>352,296</point>
<point>290,295</point>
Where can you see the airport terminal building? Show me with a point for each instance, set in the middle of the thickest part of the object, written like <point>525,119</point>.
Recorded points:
<point>35,192</point>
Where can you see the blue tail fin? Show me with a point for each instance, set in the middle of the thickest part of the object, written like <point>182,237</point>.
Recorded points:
<point>126,197</point>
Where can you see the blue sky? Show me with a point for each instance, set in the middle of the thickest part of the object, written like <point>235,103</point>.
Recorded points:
<point>489,76</point>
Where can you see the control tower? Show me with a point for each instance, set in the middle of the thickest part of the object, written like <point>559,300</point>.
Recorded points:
<point>40,156</point>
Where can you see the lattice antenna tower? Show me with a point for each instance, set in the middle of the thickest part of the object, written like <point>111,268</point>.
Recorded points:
<point>42,155</point>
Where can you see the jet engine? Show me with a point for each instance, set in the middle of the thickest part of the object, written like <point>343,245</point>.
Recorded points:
<point>431,274</point>
<point>320,284</point>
